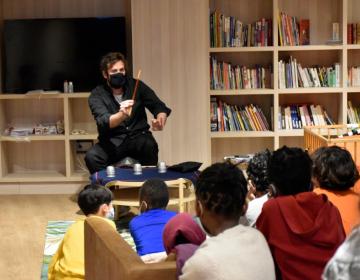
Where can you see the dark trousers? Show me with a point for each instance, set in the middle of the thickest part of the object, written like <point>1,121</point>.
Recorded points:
<point>142,147</point>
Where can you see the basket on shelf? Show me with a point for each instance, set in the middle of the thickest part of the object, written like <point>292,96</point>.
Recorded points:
<point>328,135</point>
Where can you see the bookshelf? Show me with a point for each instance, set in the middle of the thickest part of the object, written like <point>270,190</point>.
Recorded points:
<point>44,158</point>
<point>321,14</point>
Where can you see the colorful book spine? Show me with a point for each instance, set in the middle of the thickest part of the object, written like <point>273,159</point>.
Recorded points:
<point>293,75</point>
<point>227,117</point>
<point>289,33</point>
<point>225,76</point>
<point>297,116</point>
<point>228,31</point>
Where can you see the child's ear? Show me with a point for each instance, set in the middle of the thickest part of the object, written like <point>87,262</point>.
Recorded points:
<point>143,206</point>
<point>199,208</point>
<point>103,209</point>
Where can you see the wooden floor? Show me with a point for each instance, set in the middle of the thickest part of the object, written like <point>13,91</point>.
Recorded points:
<point>23,219</point>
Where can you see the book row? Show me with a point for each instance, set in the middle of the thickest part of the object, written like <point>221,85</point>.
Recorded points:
<point>298,116</point>
<point>225,117</point>
<point>293,75</point>
<point>354,77</point>
<point>227,31</point>
<point>292,33</point>
<point>353,33</point>
<point>353,113</point>
<point>226,76</point>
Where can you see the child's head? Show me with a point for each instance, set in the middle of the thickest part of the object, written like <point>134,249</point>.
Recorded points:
<point>290,171</point>
<point>334,168</point>
<point>257,172</point>
<point>220,193</point>
<point>96,200</point>
<point>182,229</point>
<point>153,194</point>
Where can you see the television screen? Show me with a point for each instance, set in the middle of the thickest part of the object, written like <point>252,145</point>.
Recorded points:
<point>40,54</point>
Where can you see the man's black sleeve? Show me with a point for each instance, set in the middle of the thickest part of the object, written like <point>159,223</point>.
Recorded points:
<point>100,112</point>
<point>151,101</point>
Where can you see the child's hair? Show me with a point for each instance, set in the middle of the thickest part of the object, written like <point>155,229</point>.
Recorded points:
<point>257,170</point>
<point>290,171</point>
<point>222,189</point>
<point>334,168</point>
<point>155,193</point>
<point>91,197</point>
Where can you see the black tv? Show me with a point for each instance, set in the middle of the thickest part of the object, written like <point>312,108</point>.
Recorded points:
<point>39,54</point>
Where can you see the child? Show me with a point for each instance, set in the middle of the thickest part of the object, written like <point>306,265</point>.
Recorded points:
<point>182,236</point>
<point>303,229</point>
<point>258,178</point>
<point>68,262</point>
<point>146,229</point>
<point>335,174</point>
<point>234,251</point>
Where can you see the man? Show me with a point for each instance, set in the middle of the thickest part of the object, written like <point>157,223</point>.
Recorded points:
<point>121,122</point>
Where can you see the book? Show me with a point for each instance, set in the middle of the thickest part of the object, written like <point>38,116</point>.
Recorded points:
<point>304,32</point>
<point>349,34</point>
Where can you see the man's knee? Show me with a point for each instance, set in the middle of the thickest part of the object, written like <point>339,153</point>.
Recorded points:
<point>96,159</point>
<point>151,145</point>
<point>90,157</point>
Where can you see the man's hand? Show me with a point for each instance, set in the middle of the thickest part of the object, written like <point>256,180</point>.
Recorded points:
<point>159,123</point>
<point>126,107</point>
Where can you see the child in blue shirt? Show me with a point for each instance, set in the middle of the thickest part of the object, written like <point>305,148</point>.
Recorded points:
<point>146,229</point>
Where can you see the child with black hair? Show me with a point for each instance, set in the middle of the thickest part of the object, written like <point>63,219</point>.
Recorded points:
<point>68,262</point>
<point>335,174</point>
<point>229,254</point>
<point>146,229</point>
<point>257,178</point>
<point>303,229</point>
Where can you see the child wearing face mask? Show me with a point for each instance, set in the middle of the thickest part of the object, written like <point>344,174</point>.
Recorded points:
<point>146,229</point>
<point>68,262</point>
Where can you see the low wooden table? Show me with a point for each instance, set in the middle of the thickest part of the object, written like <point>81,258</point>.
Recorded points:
<point>125,186</point>
<point>126,193</point>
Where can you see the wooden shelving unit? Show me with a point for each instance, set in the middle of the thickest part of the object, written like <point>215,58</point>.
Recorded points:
<point>321,14</point>
<point>44,158</point>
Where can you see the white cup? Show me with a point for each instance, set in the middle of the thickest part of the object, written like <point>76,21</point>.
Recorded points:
<point>161,167</point>
<point>137,169</point>
<point>110,171</point>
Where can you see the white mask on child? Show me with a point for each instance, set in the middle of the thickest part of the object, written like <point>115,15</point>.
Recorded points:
<point>111,214</point>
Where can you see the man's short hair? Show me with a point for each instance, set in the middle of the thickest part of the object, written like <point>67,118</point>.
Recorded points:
<point>110,59</point>
<point>91,197</point>
<point>257,170</point>
<point>221,188</point>
<point>334,168</point>
<point>290,171</point>
<point>155,193</point>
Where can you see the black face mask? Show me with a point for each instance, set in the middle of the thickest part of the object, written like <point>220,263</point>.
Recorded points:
<point>117,80</point>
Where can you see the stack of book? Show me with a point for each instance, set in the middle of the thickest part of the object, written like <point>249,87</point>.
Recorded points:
<point>354,77</point>
<point>291,33</point>
<point>227,31</point>
<point>293,75</point>
<point>353,33</point>
<point>223,75</point>
<point>225,117</point>
<point>298,116</point>
<point>353,114</point>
